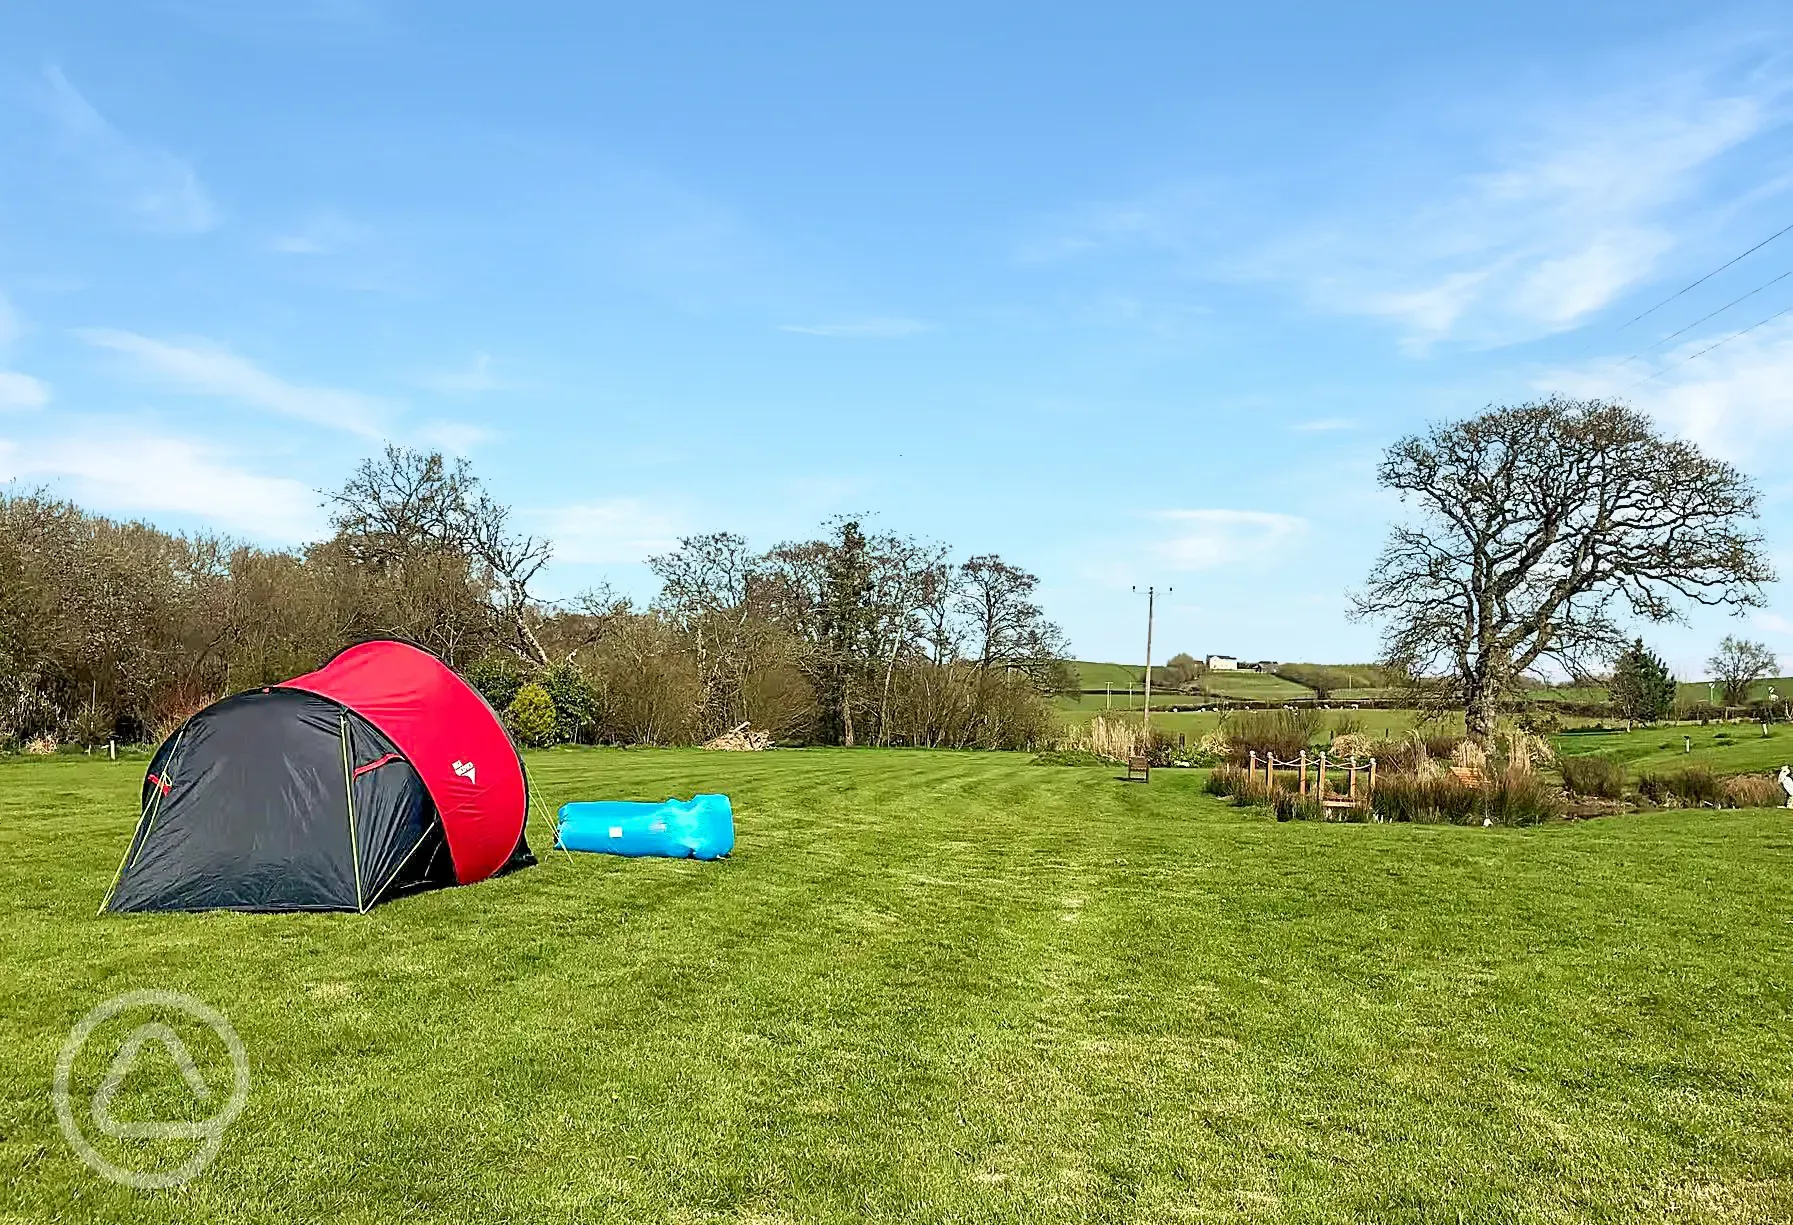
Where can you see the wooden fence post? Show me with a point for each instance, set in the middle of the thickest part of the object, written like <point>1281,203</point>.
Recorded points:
<point>1251,768</point>
<point>1322,776</point>
<point>1352,791</point>
<point>1303,765</point>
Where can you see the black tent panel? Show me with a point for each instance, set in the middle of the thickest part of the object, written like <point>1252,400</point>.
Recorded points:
<point>256,804</point>
<point>398,836</point>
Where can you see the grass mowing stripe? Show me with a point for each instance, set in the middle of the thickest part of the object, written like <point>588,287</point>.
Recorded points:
<point>955,987</point>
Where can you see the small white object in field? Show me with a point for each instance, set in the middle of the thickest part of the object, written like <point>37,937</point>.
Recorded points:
<point>1487,821</point>
<point>1787,784</point>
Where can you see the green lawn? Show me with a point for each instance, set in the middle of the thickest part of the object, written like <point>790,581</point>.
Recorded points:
<point>1735,748</point>
<point>951,987</point>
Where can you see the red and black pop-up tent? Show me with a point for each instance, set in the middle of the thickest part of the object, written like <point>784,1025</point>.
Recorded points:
<point>381,773</point>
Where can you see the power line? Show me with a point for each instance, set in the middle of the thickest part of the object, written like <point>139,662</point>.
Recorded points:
<point>1727,340</point>
<point>1696,323</point>
<point>1705,278</point>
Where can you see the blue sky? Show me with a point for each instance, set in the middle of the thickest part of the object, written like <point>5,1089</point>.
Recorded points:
<point>1129,294</point>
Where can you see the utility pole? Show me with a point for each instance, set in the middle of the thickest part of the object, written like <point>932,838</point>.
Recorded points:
<point>1151,603</point>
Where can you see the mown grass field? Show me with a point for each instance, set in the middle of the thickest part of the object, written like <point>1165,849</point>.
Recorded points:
<point>951,987</point>
<point>1734,748</point>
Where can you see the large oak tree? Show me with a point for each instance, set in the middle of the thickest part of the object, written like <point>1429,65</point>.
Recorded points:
<point>1536,530</point>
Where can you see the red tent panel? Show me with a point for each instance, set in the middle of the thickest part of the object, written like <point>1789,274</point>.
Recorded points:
<point>449,734</point>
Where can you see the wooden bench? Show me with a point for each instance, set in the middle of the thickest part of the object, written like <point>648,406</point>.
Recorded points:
<point>1139,769</point>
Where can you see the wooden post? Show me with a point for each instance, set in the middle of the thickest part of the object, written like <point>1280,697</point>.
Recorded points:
<point>1322,776</point>
<point>1372,778</point>
<point>112,749</point>
<point>1251,768</point>
<point>1352,791</point>
<point>1303,786</point>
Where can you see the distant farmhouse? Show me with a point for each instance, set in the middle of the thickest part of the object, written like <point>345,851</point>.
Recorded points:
<point>1230,663</point>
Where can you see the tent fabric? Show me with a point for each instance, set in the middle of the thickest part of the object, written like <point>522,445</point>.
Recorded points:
<point>450,736</point>
<point>255,804</point>
<point>379,774</point>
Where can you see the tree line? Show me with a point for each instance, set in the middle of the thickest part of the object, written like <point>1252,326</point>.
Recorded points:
<point>121,630</point>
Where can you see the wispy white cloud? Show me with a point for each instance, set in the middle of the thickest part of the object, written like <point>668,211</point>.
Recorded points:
<point>17,391</point>
<point>125,470</point>
<point>475,377</point>
<point>1736,401</point>
<point>21,391</point>
<point>1526,227</point>
<point>154,188</point>
<point>1325,425</point>
<point>323,233</point>
<point>455,437</point>
<point>202,368</point>
<point>863,329</point>
<point>1203,539</point>
<point>610,531</point>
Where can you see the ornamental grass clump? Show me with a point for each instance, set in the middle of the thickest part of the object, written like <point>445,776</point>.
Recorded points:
<point>1592,775</point>
<point>1280,733</point>
<point>1689,787</point>
<point>1512,796</point>
<point>1753,791</point>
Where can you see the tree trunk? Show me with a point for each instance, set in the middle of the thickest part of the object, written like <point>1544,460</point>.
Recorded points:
<point>1480,708</point>
<point>846,714</point>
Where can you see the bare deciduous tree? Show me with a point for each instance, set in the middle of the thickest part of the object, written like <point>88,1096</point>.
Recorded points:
<point>412,515</point>
<point>1738,664</point>
<point>1538,527</point>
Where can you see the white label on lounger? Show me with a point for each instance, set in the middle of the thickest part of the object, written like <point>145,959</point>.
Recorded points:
<point>616,831</point>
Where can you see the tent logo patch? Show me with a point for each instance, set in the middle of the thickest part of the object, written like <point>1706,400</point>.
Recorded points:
<point>465,770</point>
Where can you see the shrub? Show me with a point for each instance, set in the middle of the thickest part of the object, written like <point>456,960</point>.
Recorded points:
<point>1702,712</point>
<point>1404,756</point>
<point>577,706</point>
<point>532,716</point>
<point>93,725</point>
<point>1352,744</point>
<point>497,678</point>
<point>1284,733</point>
<point>1753,791</point>
<point>1519,797</point>
<point>1592,775</point>
<point>1689,786</point>
<point>1347,725</point>
<point>1440,745</point>
<point>1246,789</point>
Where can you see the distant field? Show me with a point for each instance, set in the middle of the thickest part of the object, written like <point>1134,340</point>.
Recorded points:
<point>1094,675</point>
<point>1246,686</point>
<point>1701,691</point>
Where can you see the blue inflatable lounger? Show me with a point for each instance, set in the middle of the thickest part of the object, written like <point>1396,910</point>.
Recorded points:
<point>702,827</point>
